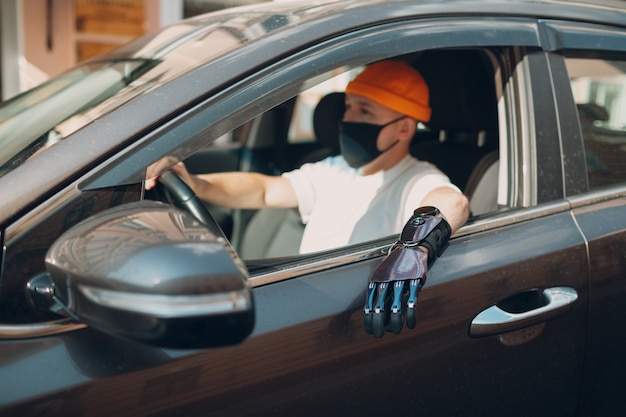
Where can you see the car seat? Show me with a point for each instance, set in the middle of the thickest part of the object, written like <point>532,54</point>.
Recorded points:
<point>482,185</point>
<point>461,137</point>
<point>278,231</point>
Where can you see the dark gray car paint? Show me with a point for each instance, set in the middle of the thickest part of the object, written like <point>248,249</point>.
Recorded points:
<point>309,353</point>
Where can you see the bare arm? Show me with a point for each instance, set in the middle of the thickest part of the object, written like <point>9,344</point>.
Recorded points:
<point>245,190</point>
<point>452,204</point>
<point>232,189</point>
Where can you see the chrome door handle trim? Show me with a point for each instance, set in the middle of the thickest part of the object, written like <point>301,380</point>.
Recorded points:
<point>48,328</point>
<point>495,320</point>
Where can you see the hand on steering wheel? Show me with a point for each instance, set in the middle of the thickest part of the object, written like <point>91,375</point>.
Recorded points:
<point>185,198</point>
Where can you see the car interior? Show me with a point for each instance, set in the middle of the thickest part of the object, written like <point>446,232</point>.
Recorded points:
<point>461,139</point>
<point>597,85</point>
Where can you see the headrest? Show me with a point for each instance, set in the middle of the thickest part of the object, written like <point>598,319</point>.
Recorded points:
<point>326,117</point>
<point>462,90</point>
<point>591,112</point>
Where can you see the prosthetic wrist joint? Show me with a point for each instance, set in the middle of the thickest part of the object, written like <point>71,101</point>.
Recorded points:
<point>426,228</point>
<point>406,260</point>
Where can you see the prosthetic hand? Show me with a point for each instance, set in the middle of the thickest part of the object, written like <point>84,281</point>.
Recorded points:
<point>394,286</point>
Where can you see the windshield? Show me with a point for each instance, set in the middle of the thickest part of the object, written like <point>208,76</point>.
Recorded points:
<point>44,115</point>
<point>47,114</point>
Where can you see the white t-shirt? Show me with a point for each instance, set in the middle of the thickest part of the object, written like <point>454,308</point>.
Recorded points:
<point>341,207</point>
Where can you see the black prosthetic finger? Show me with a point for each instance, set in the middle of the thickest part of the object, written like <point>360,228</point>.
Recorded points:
<point>379,315</point>
<point>411,318</point>
<point>411,303</point>
<point>397,309</point>
<point>378,324</point>
<point>369,307</point>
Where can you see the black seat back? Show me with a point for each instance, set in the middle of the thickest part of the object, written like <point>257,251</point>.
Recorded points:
<point>326,117</point>
<point>277,232</point>
<point>464,123</point>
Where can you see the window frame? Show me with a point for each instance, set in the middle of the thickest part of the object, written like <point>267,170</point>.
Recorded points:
<point>393,39</point>
<point>594,40</point>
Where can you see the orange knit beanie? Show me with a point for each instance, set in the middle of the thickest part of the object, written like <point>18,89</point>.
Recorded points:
<point>396,85</point>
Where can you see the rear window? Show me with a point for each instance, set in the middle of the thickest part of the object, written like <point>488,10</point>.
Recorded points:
<point>599,89</point>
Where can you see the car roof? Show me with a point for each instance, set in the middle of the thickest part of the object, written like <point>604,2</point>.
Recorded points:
<point>273,18</point>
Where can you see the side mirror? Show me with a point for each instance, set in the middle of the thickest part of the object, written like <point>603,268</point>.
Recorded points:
<point>152,273</point>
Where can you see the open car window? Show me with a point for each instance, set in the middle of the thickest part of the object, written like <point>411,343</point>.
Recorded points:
<point>462,140</point>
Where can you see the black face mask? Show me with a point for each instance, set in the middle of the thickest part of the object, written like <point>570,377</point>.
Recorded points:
<point>357,142</point>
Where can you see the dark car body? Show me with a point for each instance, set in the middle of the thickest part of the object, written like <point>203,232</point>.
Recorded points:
<point>525,312</point>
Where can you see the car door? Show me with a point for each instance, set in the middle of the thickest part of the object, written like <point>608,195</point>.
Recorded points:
<point>526,265</point>
<point>309,353</point>
<point>590,66</point>
<point>528,260</point>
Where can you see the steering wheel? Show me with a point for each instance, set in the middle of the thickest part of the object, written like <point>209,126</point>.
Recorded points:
<point>184,197</point>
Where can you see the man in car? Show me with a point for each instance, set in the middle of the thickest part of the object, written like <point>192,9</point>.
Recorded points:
<point>371,189</point>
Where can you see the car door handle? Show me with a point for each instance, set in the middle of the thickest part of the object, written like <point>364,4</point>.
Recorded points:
<point>545,305</point>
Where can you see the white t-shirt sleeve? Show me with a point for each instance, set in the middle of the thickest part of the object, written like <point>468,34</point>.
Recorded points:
<point>310,180</point>
<point>421,185</point>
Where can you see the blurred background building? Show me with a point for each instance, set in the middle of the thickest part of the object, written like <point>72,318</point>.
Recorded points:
<point>42,38</point>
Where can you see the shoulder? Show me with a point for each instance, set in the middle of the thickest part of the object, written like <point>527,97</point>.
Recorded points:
<point>415,169</point>
<point>425,176</point>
